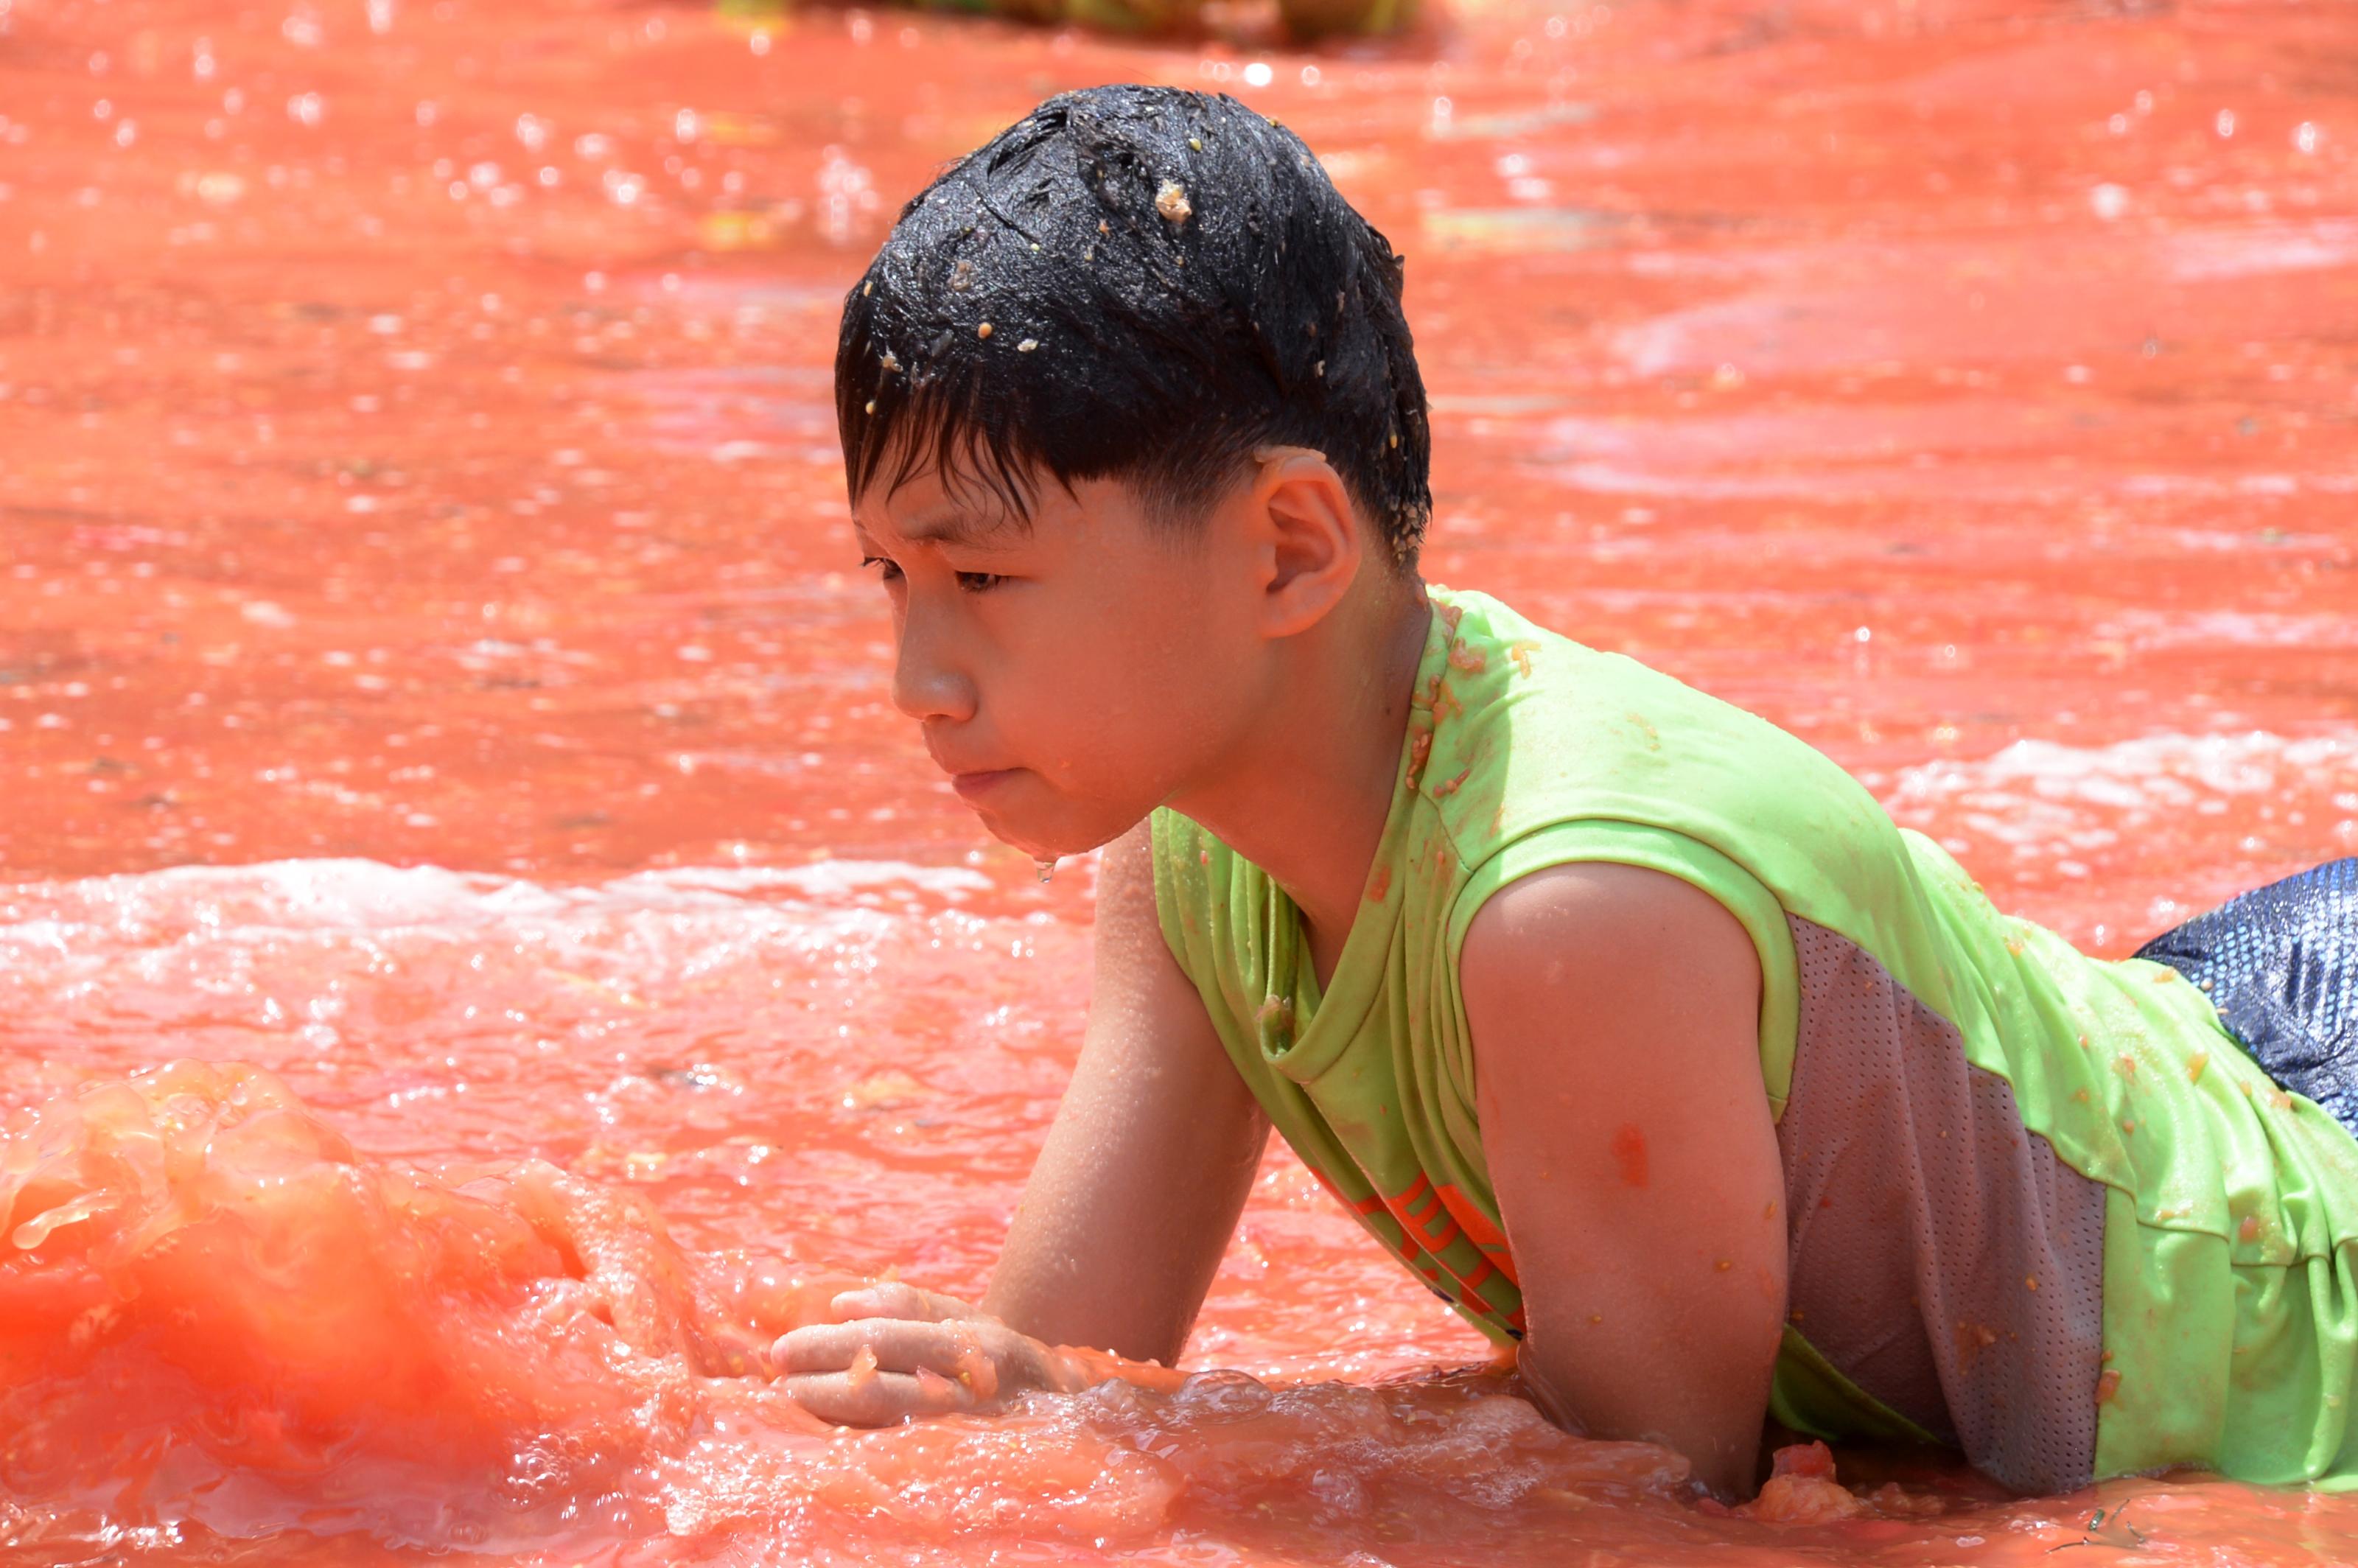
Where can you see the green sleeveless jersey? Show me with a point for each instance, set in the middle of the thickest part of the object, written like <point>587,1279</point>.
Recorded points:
<point>2040,1207</point>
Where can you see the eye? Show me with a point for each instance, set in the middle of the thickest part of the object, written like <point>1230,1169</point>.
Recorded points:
<point>979,582</point>
<point>888,570</point>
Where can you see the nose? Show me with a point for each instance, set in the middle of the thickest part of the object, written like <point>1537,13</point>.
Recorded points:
<point>928,682</point>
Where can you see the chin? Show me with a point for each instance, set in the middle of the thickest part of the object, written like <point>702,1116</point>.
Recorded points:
<point>1041,844</point>
<point>1052,835</point>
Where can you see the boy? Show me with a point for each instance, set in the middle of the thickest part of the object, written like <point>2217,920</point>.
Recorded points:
<point>1631,1023</point>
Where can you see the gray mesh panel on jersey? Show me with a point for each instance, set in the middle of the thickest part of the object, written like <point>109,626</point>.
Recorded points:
<point>1920,1212</point>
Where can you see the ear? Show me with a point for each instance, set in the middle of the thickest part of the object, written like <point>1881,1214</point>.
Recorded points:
<point>1307,539</point>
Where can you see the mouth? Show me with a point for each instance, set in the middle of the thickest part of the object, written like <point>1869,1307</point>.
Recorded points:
<point>973,788</point>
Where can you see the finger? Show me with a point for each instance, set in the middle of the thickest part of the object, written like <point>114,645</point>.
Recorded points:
<point>890,1298</point>
<point>880,1398</point>
<point>881,1298</point>
<point>898,1344</point>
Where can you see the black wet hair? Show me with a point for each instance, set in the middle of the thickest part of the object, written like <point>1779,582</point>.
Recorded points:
<point>1142,283</point>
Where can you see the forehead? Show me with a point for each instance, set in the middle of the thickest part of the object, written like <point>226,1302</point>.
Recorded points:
<point>905,517</point>
<point>924,508</point>
<point>939,500</point>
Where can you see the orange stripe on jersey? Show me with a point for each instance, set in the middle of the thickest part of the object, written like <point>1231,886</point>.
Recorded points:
<point>1440,1215</point>
<point>1470,1216</point>
<point>1486,1236</point>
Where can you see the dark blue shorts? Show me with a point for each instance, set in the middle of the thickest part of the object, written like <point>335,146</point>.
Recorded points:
<point>2281,965</point>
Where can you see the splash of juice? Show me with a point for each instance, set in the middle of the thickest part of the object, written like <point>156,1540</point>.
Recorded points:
<point>210,1306</point>
<point>213,1312</point>
<point>220,1322</point>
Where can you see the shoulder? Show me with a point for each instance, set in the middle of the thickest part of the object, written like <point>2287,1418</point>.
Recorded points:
<point>1530,728</point>
<point>1615,942</point>
<point>1139,956</point>
<point>1602,908</point>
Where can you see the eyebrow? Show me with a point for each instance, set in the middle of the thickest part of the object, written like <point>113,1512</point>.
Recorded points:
<point>959,525</point>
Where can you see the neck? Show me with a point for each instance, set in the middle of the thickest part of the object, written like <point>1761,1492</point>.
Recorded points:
<point>1307,795</point>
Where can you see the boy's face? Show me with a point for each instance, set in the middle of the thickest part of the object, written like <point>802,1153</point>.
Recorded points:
<point>1073,674</point>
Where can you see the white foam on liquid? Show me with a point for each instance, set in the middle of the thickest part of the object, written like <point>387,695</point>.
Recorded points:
<point>2036,796</point>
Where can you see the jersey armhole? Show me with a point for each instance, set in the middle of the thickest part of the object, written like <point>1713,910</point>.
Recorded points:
<point>1690,860</point>
<point>1167,832</point>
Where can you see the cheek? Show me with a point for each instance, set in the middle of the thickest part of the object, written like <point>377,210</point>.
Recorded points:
<point>1174,633</point>
<point>1113,705</point>
<point>1119,673</point>
<point>1106,701</point>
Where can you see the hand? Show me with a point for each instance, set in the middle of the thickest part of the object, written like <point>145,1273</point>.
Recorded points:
<point>897,1351</point>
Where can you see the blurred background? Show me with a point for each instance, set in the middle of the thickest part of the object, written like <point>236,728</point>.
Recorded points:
<point>415,436</point>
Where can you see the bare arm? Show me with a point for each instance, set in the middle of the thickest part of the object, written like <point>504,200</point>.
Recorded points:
<point>1152,1153</point>
<point>1614,1013</point>
<point>1123,1224</point>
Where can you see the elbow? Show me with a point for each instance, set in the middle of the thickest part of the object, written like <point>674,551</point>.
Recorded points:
<point>1721,1446</point>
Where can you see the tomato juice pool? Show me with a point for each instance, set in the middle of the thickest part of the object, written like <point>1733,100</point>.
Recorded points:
<point>440,715</point>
